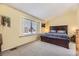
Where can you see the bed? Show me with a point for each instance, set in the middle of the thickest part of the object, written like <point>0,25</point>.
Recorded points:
<point>58,35</point>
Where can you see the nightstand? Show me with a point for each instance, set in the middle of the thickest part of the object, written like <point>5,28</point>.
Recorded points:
<point>73,38</point>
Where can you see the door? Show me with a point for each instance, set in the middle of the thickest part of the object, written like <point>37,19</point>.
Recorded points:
<point>0,41</point>
<point>0,35</point>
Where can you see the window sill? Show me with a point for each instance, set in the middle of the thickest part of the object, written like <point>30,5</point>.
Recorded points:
<point>25,35</point>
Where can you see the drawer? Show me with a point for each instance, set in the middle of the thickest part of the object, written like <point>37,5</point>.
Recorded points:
<point>77,46</point>
<point>77,36</point>
<point>77,40</point>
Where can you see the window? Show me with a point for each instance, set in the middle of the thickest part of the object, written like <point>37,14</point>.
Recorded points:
<point>34,27</point>
<point>29,26</point>
<point>26,26</point>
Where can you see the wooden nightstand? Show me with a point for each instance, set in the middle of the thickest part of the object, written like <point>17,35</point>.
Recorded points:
<point>77,42</point>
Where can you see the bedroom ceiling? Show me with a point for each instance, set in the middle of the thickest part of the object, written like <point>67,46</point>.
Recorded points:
<point>43,10</point>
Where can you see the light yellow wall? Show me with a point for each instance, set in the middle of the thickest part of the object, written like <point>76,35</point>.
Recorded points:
<point>68,18</point>
<point>11,36</point>
<point>78,17</point>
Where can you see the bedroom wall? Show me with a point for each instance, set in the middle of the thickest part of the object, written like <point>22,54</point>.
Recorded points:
<point>68,18</point>
<point>11,35</point>
<point>78,17</point>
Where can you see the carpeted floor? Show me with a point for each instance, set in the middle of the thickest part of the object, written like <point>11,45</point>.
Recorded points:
<point>39,48</point>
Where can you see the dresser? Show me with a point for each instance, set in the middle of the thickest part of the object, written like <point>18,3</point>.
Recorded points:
<point>77,42</point>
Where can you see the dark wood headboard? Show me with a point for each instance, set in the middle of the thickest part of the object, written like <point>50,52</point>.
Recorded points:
<point>61,27</point>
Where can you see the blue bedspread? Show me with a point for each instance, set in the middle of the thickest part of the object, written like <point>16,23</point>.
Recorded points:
<point>56,35</point>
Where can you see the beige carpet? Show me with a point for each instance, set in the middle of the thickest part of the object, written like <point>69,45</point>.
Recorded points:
<point>39,48</point>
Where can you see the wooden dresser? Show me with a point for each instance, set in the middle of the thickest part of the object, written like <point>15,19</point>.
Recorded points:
<point>77,42</point>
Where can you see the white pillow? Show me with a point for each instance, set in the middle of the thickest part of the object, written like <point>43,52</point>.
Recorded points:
<point>53,31</point>
<point>62,32</point>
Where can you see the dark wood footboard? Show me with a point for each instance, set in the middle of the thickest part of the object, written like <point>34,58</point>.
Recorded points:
<point>59,42</point>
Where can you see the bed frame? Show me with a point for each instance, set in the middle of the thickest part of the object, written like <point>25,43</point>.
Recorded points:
<point>59,42</point>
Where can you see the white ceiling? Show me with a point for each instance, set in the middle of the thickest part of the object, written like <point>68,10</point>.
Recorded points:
<point>43,10</point>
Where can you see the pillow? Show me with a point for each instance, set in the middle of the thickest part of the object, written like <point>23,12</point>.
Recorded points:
<point>53,31</point>
<point>61,32</point>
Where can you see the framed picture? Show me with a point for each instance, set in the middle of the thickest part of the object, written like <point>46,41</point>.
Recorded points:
<point>5,21</point>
